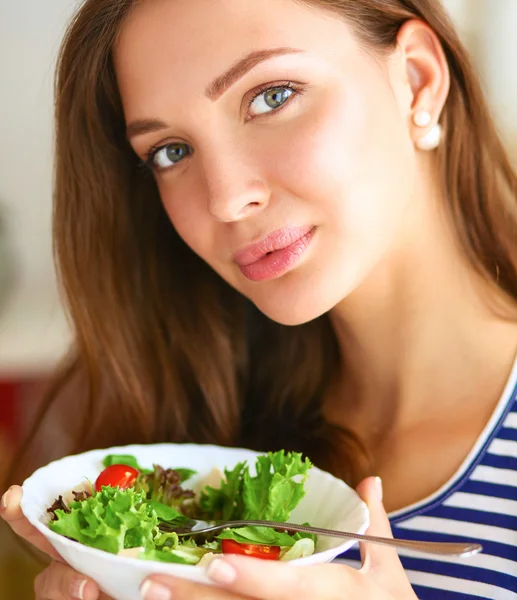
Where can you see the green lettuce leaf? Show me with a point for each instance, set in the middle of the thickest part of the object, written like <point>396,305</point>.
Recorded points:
<point>169,514</point>
<point>224,503</point>
<point>264,535</point>
<point>124,459</point>
<point>165,539</point>
<point>213,546</point>
<point>186,553</point>
<point>258,535</point>
<point>277,488</point>
<point>162,556</point>
<point>110,520</point>
<point>185,474</point>
<point>271,494</point>
<point>189,554</point>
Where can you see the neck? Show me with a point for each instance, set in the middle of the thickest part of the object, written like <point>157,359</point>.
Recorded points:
<point>420,336</point>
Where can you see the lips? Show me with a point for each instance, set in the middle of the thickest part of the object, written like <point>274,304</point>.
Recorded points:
<point>278,240</point>
<point>274,255</point>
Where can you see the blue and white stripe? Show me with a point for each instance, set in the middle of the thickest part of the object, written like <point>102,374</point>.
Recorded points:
<point>478,504</point>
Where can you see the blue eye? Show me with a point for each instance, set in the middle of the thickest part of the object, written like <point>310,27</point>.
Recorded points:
<point>270,99</point>
<point>168,156</point>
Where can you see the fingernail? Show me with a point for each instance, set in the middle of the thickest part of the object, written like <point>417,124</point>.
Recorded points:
<point>378,488</point>
<point>77,588</point>
<point>5,497</point>
<point>221,572</point>
<point>155,591</point>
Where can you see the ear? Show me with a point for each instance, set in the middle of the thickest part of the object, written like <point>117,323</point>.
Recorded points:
<point>420,70</point>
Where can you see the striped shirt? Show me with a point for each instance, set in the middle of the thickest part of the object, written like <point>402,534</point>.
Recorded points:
<point>479,504</point>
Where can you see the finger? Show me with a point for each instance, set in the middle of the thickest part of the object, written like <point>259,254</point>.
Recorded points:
<point>11,512</point>
<point>373,555</point>
<point>277,580</point>
<point>61,582</point>
<point>162,587</point>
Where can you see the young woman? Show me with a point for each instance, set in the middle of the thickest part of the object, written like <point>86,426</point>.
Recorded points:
<point>292,224</point>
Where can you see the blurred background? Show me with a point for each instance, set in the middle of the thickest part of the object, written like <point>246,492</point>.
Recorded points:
<point>33,329</point>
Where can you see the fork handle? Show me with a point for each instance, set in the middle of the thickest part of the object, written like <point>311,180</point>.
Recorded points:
<point>440,548</point>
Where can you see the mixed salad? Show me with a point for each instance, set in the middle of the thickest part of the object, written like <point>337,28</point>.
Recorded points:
<point>131,510</point>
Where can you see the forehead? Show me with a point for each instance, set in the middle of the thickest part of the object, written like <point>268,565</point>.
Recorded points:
<point>168,49</point>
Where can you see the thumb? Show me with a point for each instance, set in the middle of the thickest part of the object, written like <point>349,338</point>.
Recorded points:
<point>381,563</point>
<point>374,556</point>
<point>11,512</point>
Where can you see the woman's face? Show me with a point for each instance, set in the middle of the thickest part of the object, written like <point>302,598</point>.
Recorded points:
<point>281,148</point>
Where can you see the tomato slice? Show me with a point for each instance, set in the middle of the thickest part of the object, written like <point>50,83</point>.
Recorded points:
<point>121,476</point>
<point>255,550</point>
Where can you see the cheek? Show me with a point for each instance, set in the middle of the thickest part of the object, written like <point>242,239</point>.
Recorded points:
<point>353,162</point>
<point>185,201</point>
<point>186,207</point>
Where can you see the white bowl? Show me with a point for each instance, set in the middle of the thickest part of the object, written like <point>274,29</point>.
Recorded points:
<point>329,503</point>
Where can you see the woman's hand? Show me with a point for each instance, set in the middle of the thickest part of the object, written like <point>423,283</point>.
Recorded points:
<point>61,582</point>
<point>58,581</point>
<point>381,577</point>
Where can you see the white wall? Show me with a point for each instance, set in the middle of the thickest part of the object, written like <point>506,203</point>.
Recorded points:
<point>498,62</point>
<point>32,330</point>
<point>489,28</point>
<point>30,31</point>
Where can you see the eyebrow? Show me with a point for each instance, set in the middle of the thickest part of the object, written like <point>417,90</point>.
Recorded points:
<point>220,85</point>
<point>144,126</point>
<point>217,88</point>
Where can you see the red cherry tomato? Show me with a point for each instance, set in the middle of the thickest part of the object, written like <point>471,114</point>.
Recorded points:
<point>255,550</point>
<point>120,476</point>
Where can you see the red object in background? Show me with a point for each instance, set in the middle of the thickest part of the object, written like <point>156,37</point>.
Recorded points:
<point>8,413</point>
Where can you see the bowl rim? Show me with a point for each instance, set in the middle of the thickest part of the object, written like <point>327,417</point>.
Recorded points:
<point>132,561</point>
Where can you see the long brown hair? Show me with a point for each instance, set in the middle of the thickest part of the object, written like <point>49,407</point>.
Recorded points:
<point>169,352</point>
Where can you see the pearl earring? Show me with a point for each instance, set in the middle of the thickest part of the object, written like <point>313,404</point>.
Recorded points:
<point>422,118</point>
<point>431,140</point>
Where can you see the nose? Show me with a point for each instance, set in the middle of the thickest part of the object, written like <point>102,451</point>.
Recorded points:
<point>235,191</point>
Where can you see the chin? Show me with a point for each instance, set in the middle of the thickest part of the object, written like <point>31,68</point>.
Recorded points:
<point>291,313</point>
<point>303,300</point>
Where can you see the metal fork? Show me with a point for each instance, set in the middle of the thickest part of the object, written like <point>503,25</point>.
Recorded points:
<point>441,548</point>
